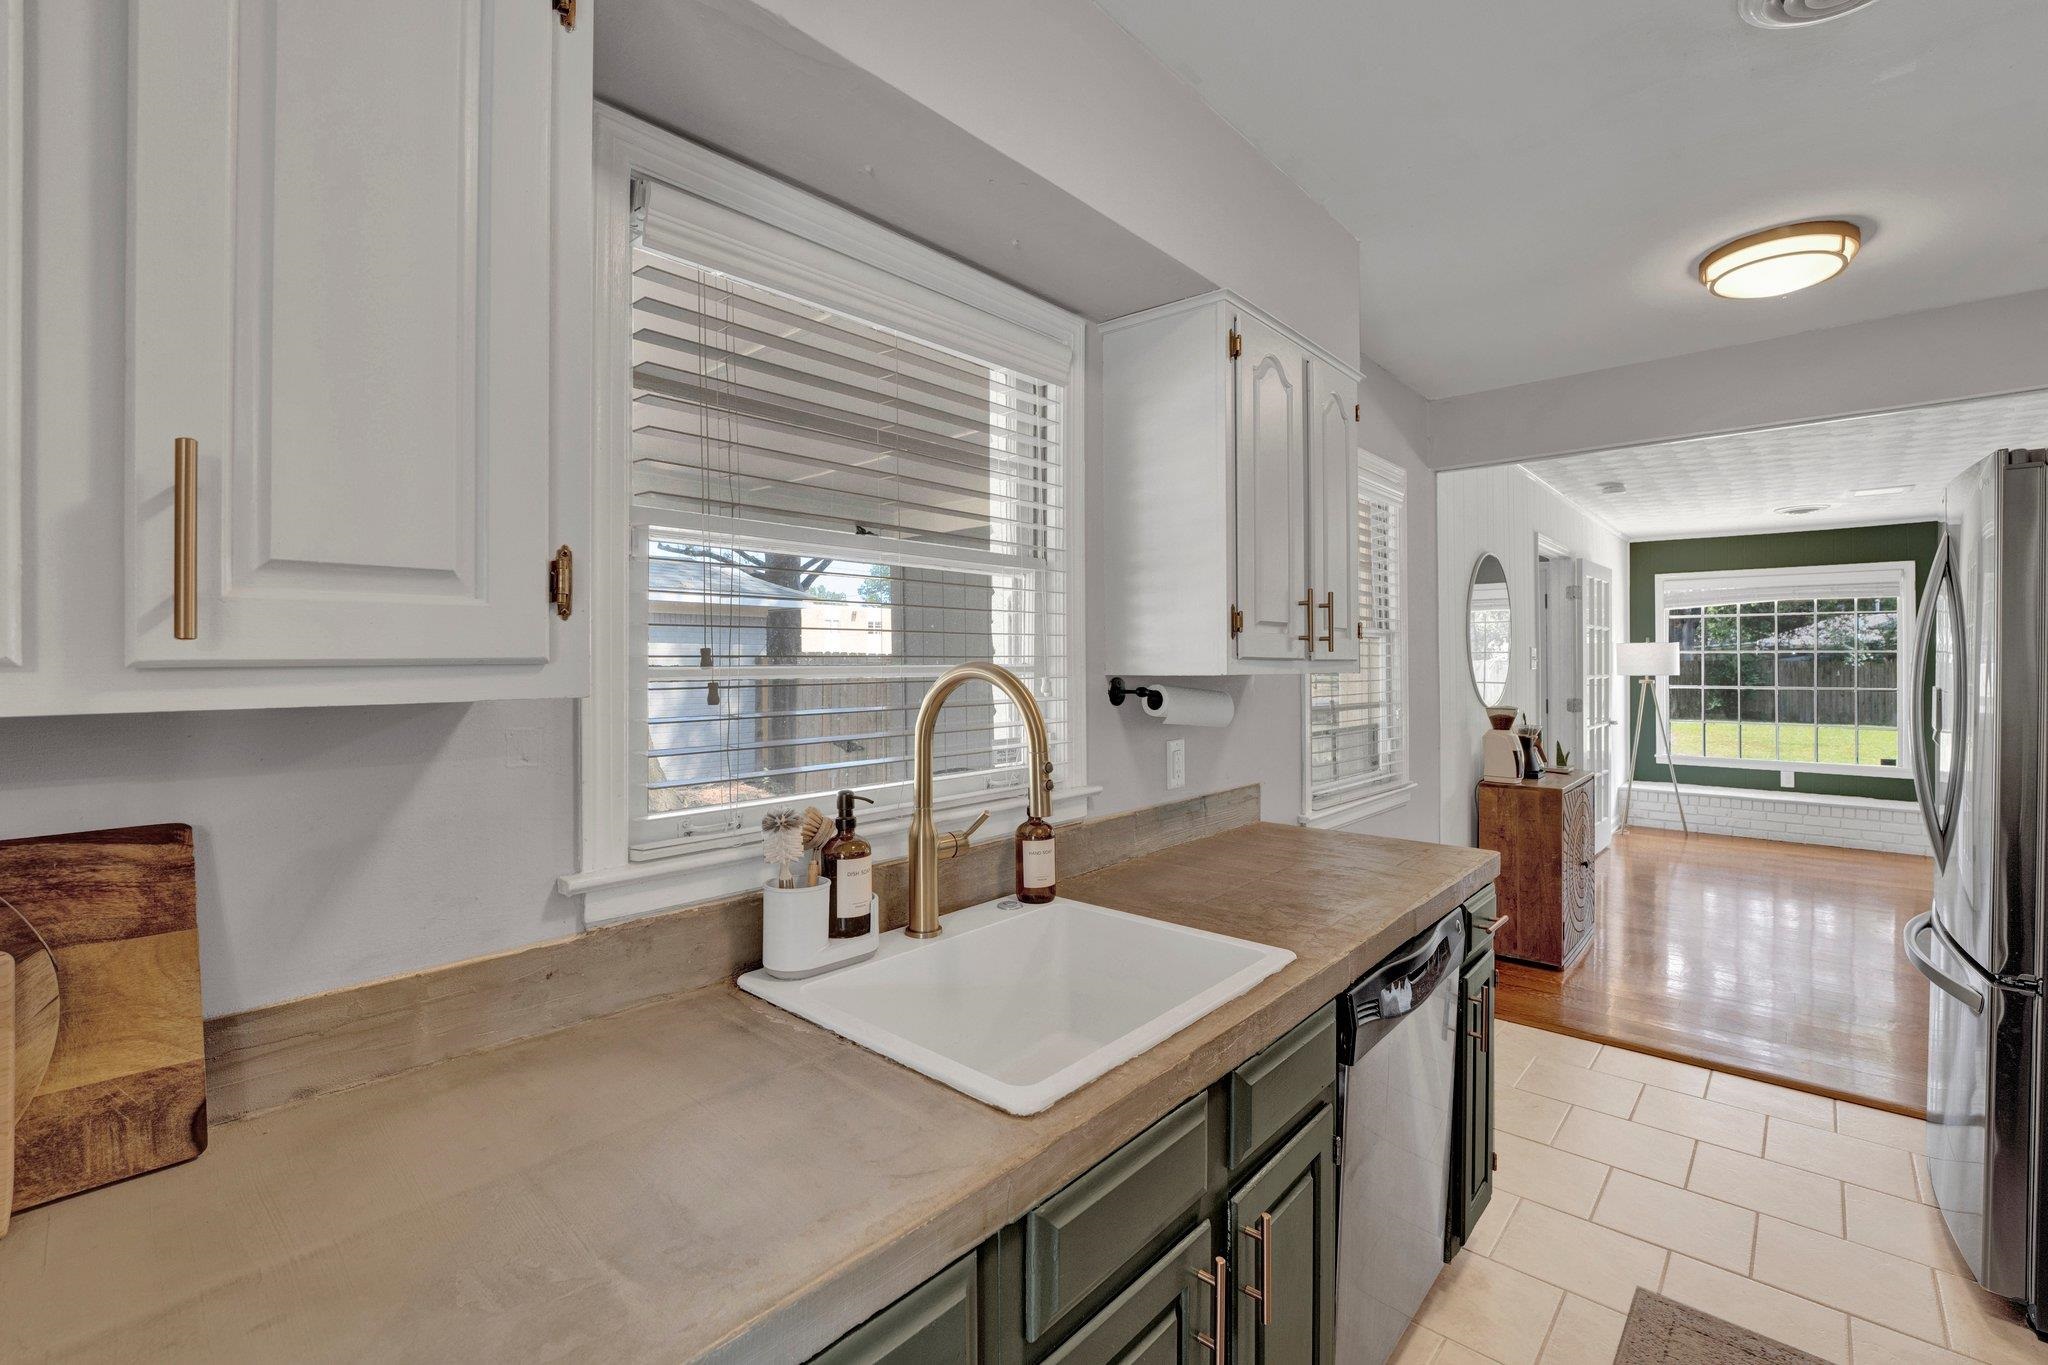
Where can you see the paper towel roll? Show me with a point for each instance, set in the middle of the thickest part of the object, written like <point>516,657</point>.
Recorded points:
<point>1192,706</point>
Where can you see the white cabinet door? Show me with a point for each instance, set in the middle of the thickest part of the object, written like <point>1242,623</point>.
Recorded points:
<point>338,278</point>
<point>1333,513</point>
<point>1272,468</point>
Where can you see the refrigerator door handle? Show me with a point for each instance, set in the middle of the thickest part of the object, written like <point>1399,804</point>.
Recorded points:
<point>1919,927</point>
<point>1937,809</point>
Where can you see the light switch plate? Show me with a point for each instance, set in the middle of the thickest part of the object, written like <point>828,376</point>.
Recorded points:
<point>1176,764</point>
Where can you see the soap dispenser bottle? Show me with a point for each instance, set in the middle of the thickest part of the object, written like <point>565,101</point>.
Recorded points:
<point>848,863</point>
<point>1035,876</point>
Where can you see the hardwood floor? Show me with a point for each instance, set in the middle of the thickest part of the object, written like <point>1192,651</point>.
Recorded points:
<point>1772,960</point>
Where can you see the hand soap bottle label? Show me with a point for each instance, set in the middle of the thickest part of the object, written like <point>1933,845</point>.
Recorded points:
<point>1038,868</point>
<point>853,886</point>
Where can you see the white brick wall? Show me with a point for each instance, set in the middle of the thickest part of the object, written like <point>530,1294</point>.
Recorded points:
<point>1841,821</point>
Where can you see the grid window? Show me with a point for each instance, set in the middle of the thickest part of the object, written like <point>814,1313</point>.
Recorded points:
<point>1811,680</point>
<point>1356,724</point>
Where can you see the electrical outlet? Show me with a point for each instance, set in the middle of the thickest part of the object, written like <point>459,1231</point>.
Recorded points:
<point>1176,764</point>
<point>1785,777</point>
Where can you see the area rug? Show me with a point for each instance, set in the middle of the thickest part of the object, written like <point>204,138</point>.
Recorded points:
<point>1661,1332</point>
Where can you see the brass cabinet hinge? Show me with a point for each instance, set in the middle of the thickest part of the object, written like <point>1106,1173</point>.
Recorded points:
<point>1236,622</point>
<point>1358,629</point>
<point>566,9</point>
<point>562,581</point>
<point>1357,412</point>
<point>1236,343</point>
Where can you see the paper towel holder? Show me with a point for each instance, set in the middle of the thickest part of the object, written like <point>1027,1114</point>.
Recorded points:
<point>1117,692</point>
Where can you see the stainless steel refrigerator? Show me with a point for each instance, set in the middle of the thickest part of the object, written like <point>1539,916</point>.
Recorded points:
<point>1981,738</point>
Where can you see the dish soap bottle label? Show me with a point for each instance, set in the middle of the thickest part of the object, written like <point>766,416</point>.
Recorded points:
<point>1038,868</point>
<point>853,887</point>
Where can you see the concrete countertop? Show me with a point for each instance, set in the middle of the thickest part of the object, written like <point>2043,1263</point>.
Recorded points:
<point>703,1176</point>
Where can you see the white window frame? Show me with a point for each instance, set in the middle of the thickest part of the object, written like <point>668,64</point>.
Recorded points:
<point>1809,581</point>
<point>755,217</point>
<point>1355,799</point>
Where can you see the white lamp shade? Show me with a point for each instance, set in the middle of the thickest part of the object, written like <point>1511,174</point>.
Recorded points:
<point>1649,659</point>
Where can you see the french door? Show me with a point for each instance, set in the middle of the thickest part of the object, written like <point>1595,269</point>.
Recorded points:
<point>1595,599</point>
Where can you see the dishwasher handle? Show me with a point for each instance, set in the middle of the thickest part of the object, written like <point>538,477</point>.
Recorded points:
<point>1400,985</point>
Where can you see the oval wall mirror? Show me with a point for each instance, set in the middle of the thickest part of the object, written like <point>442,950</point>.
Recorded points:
<point>1488,628</point>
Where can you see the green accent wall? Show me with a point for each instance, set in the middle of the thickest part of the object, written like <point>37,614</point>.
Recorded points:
<point>1916,541</point>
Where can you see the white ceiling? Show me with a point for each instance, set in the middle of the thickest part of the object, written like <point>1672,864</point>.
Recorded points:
<point>1532,185</point>
<point>1723,485</point>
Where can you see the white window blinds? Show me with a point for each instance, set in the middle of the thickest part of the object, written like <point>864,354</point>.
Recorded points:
<point>828,513</point>
<point>1357,729</point>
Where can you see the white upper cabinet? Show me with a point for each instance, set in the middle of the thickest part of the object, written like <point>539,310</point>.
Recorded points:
<point>1333,527</point>
<point>357,294</point>
<point>1272,479</point>
<point>340,290</point>
<point>1230,524</point>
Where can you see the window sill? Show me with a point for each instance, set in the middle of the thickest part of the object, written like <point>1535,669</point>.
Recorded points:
<point>1897,770</point>
<point>1358,808</point>
<point>631,889</point>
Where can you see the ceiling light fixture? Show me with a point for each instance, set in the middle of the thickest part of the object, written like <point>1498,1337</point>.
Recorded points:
<point>1801,509</point>
<point>1881,492</point>
<point>1780,260</point>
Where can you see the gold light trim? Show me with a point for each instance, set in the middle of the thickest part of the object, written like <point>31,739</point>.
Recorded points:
<point>1781,260</point>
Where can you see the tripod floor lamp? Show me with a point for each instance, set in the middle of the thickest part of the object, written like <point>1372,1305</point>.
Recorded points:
<point>1647,662</point>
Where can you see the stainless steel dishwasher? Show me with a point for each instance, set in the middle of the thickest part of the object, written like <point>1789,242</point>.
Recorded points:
<point>1397,1054</point>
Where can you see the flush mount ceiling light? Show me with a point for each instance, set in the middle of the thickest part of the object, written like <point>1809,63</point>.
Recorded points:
<point>1801,509</point>
<point>1780,260</point>
<point>1795,13</point>
<point>1881,492</point>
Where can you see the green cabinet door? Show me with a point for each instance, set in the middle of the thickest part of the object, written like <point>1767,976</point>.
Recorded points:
<point>1281,1223</point>
<point>1472,1129</point>
<point>1158,1319</point>
<point>937,1323</point>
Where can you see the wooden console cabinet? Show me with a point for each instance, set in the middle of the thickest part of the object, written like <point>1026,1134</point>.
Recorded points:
<point>1543,830</point>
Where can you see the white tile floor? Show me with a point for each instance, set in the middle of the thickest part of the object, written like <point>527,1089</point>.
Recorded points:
<point>1803,1218</point>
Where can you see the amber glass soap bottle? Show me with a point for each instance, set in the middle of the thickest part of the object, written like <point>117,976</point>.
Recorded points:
<point>848,862</point>
<point>1036,882</point>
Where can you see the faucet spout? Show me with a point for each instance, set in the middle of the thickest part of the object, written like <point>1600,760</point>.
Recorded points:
<point>924,835</point>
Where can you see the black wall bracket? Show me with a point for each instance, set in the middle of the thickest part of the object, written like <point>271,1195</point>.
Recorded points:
<point>1117,692</point>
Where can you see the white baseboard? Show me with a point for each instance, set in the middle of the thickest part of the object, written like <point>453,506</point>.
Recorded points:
<point>1790,817</point>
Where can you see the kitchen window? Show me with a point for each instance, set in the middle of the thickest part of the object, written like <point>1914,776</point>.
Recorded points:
<point>1355,760</point>
<point>1796,669</point>
<point>838,464</point>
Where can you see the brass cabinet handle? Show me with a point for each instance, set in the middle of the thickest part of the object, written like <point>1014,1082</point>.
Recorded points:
<point>1308,618</point>
<point>1475,1013</point>
<point>1263,1235</point>
<point>1219,1282</point>
<point>185,540</point>
<point>1330,622</point>
<point>1486,1017</point>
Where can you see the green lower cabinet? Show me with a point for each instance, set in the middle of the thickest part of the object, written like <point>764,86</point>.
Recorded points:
<point>937,1323</point>
<point>1157,1320</point>
<point>1472,1130</point>
<point>1282,1226</point>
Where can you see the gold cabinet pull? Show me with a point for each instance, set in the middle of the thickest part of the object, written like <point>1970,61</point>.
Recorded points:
<point>185,540</point>
<point>1330,621</point>
<point>1262,1233</point>
<point>1219,1282</point>
<point>1308,618</point>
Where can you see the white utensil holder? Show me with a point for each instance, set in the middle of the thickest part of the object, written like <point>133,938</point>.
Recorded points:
<point>796,932</point>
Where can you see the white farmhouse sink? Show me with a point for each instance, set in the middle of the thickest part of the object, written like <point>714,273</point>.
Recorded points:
<point>1019,1005</point>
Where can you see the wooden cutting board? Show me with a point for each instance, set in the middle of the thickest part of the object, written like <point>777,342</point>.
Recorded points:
<point>125,1087</point>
